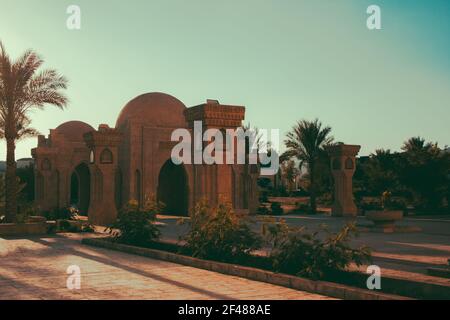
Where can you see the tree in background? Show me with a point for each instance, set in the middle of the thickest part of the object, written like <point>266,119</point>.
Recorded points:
<point>306,142</point>
<point>323,177</point>
<point>419,174</point>
<point>424,172</point>
<point>289,173</point>
<point>381,172</point>
<point>26,177</point>
<point>22,89</point>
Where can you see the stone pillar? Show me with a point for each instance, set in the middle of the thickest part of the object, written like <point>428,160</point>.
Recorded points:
<point>103,165</point>
<point>44,174</point>
<point>216,180</point>
<point>343,164</point>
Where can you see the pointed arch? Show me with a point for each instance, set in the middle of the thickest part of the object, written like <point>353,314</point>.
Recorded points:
<point>80,188</point>
<point>173,188</point>
<point>106,156</point>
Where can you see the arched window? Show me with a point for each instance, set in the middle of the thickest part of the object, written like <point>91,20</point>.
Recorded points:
<point>106,156</point>
<point>80,187</point>
<point>336,164</point>
<point>173,189</point>
<point>349,164</point>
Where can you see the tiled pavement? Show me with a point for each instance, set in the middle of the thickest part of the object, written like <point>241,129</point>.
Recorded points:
<point>35,268</point>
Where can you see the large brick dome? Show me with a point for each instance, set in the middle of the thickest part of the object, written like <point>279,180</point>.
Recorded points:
<point>154,109</point>
<point>74,130</point>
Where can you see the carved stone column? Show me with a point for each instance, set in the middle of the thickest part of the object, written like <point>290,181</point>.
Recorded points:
<point>216,180</point>
<point>103,166</point>
<point>343,164</point>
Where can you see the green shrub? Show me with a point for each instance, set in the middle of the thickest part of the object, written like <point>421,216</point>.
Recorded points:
<point>26,211</point>
<point>67,213</point>
<point>325,199</point>
<point>296,251</point>
<point>66,225</point>
<point>135,224</point>
<point>303,208</point>
<point>262,209</point>
<point>22,214</point>
<point>276,208</point>
<point>279,192</point>
<point>219,234</point>
<point>385,203</point>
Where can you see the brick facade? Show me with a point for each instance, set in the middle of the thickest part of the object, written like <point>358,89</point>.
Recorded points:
<point>99,170</point>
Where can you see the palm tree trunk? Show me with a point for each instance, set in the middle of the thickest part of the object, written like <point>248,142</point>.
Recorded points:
<point>312,187</point>
<point>10,181</point>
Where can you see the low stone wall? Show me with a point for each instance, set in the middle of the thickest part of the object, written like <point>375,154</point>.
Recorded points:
<point>17,229</point>
<point>320,287</point>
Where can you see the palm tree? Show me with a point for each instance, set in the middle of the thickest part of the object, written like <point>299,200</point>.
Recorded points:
<point>255,138</point>
<point>23,88</point>
<point>23,128</point>
<point>289,173</point>
<point>306,142</point>
<point>415,144</point>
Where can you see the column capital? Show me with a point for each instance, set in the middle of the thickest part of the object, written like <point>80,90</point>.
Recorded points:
<point>339,150</point>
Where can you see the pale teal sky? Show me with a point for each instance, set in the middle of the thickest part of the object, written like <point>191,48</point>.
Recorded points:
<point>283,59</point>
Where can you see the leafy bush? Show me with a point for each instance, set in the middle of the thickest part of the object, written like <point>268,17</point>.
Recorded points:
<point>26,178</point>
<point>325,199</point>
<point>279,192</point>
<point>276,208</point>
<point>262,209</point>
<point>419,174</point>
<point>219,234</point>
<point>303,208</point>
<point>20,187</point>
<point>73,226</point>
<point>26,211</point>
<point>385,203</point>
<point>371,205</point>
<point>67,213</point>
<point>296,251</point>
<point>136,224</point>
<point>65,226</point>
<point>22,215</point>
<point>389,203</point>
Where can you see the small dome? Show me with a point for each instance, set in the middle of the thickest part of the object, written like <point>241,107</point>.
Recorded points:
<point>74,130</point>
<point>155,109</point>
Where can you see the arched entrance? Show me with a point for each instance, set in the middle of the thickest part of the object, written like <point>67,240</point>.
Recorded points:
<point>80,188</point>
<point>173,189</point>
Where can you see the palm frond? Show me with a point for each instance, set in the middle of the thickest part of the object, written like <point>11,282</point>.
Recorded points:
<point>306,140</point>
<point>22,88</point>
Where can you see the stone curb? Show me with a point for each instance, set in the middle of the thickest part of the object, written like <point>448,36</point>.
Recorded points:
<point>20,229</point>
<point>320,287</point>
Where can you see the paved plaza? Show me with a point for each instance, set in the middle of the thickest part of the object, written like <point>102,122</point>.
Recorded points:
<point>35,268</point>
